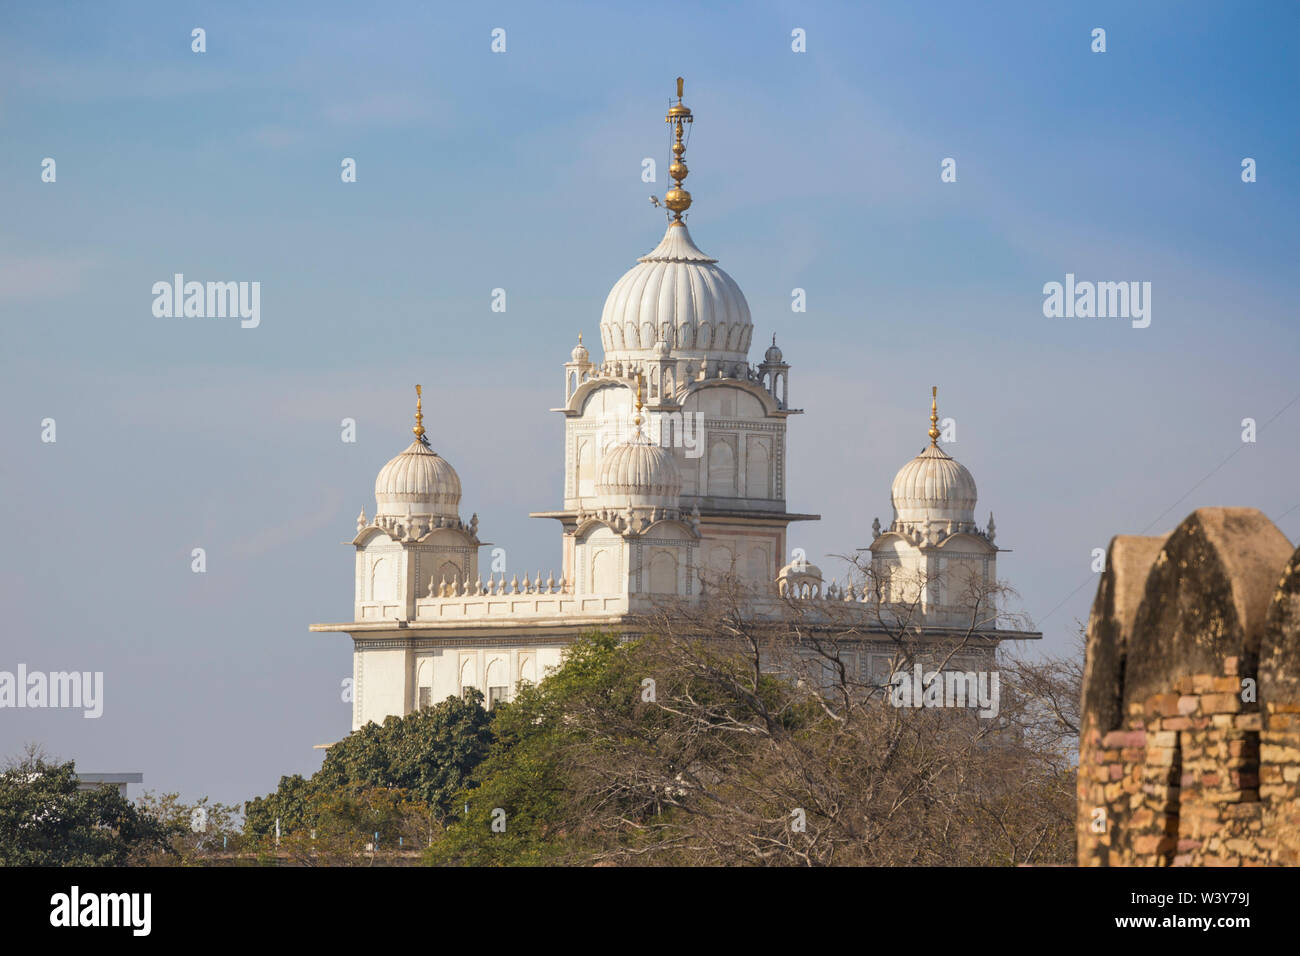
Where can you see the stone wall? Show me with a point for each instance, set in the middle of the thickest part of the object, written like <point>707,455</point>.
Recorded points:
<point>1189,750</point>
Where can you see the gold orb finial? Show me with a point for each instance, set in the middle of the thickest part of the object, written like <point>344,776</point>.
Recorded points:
<point>419,413</point>
<point>678,199</point>
<point>934,416</point>
<point>636,420</point>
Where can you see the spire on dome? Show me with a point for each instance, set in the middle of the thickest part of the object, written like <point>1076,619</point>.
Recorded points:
<point>934,416</point>
<point>678,199</point>
<point>640,380</point>
<point>419,417</point>
<point>418,482</point>
<point>933,489</point>
<point>676,293</point>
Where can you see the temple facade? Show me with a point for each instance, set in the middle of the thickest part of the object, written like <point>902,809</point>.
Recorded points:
<point>674,480</point>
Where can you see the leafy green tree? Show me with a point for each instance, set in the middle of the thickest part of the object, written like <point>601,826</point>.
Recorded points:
<point>290,804</point>
<point>427,756</point>
<point>429,753</point>
<point>520,806</point>
<point>46,821</point>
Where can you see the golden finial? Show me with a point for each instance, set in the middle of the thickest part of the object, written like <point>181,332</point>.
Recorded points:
<point>637,418</point>
<point>934,416</point>
<point>419,414</point>
<point>678,199</point>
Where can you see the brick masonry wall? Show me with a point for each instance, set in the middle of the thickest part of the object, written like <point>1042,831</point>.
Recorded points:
<point>1189,753</point>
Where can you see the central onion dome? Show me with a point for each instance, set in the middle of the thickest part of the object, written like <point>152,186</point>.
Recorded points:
<point>934,487</point>
<point>679,295</point>
<point>418,481</point>
<point>676,294</point>
<point>639,472</point>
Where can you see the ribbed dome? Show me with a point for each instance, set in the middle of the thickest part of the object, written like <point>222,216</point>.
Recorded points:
<point>417,482</point>
<point>773,354</point>
<point>679,294</point>
<point>640,471</point>
<point>580,353</point>
<point>934,486</point>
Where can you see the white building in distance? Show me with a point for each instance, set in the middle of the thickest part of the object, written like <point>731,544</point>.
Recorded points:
<point>674,479</point>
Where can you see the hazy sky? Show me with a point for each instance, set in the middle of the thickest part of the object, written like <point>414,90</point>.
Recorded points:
<point>818,170</point>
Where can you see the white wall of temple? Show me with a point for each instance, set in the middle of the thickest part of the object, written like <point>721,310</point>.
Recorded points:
<point>396,681</point>
<point>380,576</point>
<point>392,576</point>
<point>518,604</point>
<point>600,562</point>
<point>966,570</point>
<point>606,420</point>
<point>738,463</point>
<point>662,560</point>
<point>956,582</point>
<point>380,684</point>
<point>730,453</point>
<point>754,554</point>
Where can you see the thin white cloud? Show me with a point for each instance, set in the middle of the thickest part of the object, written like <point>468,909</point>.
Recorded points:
<point>296,528</point>
<point>380,109</point>
<point>277,137</point>
<point>42,276</point>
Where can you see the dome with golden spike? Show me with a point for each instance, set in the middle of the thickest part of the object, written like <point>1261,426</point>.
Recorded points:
<point>418,481</point>
<point>580,353</point>
<point>934,487</point>
<point>676,293</point>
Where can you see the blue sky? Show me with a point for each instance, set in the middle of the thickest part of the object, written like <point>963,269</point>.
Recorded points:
<point>521,171</point>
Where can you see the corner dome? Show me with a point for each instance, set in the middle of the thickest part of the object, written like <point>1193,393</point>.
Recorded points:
<point>417,482</point>
<point>934,487</point>
<point>678,294</point>
<point>773,354</point>
<point>580,353</point>
<point>641,473</point>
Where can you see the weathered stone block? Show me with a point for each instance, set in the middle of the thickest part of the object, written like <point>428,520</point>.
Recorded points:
<point>1220,703</point>
<point>1272,753</point>
<point>1153,844</point>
